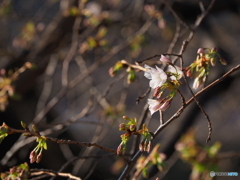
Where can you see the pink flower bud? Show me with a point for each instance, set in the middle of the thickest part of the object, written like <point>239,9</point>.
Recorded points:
<point>32,156</point>
<point>165,60</point>
<point>13,170</point>
<point>39,158</point>
<point>154,105</point>
<point>156,92</point>
<point>200,51</point>
<point>132,127</point>
<point>214,49</point>
<point>165,105</point>
<point>189,73</point>
<point>122,127</point>
<point>162,156</point>
<point>119,149</point>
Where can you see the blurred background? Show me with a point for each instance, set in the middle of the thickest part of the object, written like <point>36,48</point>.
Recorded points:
<point>69,94</point>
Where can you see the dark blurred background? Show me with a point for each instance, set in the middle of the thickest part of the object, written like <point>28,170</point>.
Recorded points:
<point>44,32</point>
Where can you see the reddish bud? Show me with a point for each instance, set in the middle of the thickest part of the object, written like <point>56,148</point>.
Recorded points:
<point>13,170</point>
<point>165,105</point>
<point>39,158</point>
<point>119,149</point>
<point>132,127</point>
<point>214,50</point>
<point>122,127</point>
<point>127,118</point>
<point>32,156</point>
<point>189,73</point>
<point>156,92</point>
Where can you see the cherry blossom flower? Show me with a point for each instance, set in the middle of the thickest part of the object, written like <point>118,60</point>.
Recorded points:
<point>176,71</point>
<point>158,76</point>
<point>156,105</point>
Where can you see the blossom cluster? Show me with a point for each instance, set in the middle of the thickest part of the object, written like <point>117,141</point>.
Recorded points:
<point>161,80</point>
<point>200,68</point>
<point>130,128</point>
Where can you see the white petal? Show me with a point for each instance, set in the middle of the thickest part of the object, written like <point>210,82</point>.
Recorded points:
<point>152,102</point>
<point>159,69</point>
<point>176,70</point>
<point>147,66</point>
<point>147,74</point>
<point>196,84</point>
<point>154,105</point>
<point>154,83</point>
<point>158,76</point>
<point>151,111</point>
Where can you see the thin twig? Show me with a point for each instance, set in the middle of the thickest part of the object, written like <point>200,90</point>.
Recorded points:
<point>143,96</point>
<point>182,97</point>
<point>161,117</point>
<point>37,172</point>
<point>61,141</point>
<point>157,55</point>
